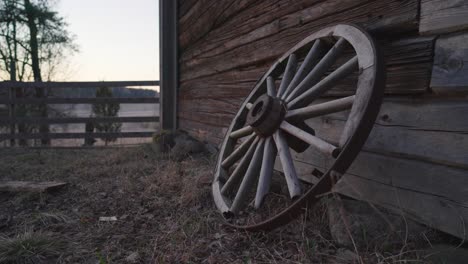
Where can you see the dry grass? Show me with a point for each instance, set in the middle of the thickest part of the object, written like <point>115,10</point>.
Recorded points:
<point>164,209</point>
<point>30,247</point>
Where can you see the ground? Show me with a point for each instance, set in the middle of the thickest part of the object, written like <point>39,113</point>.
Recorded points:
<point>164,213</point>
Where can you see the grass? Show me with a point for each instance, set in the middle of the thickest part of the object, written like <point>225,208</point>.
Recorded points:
<point>164,210</point>
<point>30,247</point>
<point>48,218</point>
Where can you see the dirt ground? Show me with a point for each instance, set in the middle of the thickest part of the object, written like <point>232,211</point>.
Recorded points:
<point>164,212</point>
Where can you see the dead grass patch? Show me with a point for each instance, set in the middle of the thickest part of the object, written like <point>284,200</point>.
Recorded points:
<point>30,247</point>
<point>164,213</point>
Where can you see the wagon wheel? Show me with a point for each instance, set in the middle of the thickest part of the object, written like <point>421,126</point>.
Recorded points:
<point>273,122</point>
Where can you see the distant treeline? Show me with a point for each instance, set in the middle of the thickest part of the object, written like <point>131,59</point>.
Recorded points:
<point>116,91</point>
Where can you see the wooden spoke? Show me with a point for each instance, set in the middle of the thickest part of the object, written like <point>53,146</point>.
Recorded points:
<point>249,179</point>
<point>321,109</point>
<point>237,174</point>
<point>288,75</point>
<point>266,172</point>
<point>248,105</point>
<point>325,84</point>
<point>245,131</point>
<point>325,63</point>
<point>287,163</point>
<point>271,87</point>
<point>310,60</point>
<point>238,153</point>
<point>314,141</point>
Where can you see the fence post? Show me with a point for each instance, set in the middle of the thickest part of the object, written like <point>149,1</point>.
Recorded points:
<point>168,64</point>
<point>12,115</point>
<point>11,108</point>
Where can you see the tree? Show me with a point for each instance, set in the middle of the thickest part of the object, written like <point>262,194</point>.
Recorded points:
<point>106,110</point>
<point>33,37</point>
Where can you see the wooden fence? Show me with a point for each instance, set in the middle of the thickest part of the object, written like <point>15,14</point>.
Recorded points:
<point>13,120</point>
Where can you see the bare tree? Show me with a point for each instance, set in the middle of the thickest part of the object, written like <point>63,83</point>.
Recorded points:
<point>32,37</point>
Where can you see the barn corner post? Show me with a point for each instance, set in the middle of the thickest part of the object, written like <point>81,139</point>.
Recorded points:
<point>168,64</point>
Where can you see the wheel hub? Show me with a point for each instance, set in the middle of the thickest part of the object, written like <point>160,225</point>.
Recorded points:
<point>266,115</point>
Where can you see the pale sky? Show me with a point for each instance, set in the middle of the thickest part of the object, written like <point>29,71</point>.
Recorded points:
<point>118,39</point>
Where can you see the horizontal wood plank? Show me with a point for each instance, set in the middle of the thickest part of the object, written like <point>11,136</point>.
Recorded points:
<point>10,84</point>
<point>427,129</point>
<point>443,16</point>
<point>91,100</point>
<point>294,20</point>
<point>418,147</point>
<point>78,135</point>
<point>77,120</point>
<point>438,212</point>
<point>29,186</point>
<point>450,70</point>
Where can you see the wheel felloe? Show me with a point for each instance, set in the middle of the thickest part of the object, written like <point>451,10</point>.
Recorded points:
<point>273,121</point>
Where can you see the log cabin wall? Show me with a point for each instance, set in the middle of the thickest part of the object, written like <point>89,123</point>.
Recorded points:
<point>416,158</point>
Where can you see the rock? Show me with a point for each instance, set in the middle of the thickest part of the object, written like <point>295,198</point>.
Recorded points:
<point>211,149</point>
<point>163,141</point>
<point>134,257</point>
<point>178,144</point>
<point>185,146</point>
<point>369,225</point>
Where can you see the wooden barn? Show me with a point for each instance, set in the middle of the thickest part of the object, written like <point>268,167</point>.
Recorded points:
<point>415,159</point>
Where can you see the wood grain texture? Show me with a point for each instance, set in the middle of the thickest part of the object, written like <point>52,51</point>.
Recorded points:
<point>229,52</point>
<point>443,16</point>
<point>438,212</point>
<point>266,42</point>
<point>417,150</point>
<point>432,130</point>
<point>450,70</point>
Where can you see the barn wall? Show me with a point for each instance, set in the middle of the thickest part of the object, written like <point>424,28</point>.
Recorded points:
<point>418,150</point>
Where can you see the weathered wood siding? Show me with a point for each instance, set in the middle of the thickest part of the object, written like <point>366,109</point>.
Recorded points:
<point>416,159</point>
<point>225,46</point>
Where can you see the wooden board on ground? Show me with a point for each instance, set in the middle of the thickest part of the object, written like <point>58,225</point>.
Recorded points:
<point>450,70</point>
<point>443,16</point>
<point>29,186</point>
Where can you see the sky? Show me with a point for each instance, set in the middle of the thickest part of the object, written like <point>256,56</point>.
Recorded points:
<point>118,40</point>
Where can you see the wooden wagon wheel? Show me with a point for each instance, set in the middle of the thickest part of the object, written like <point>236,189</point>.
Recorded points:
<point>271,122</point>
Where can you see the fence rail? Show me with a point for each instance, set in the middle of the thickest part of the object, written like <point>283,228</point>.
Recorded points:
<point>94,100</point>
<point>11,84</point>
<point>77,120</point>
<point>76,135</point>
<point>13,120</point>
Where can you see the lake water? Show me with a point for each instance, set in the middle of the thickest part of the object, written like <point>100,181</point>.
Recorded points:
<point>126,110</point>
